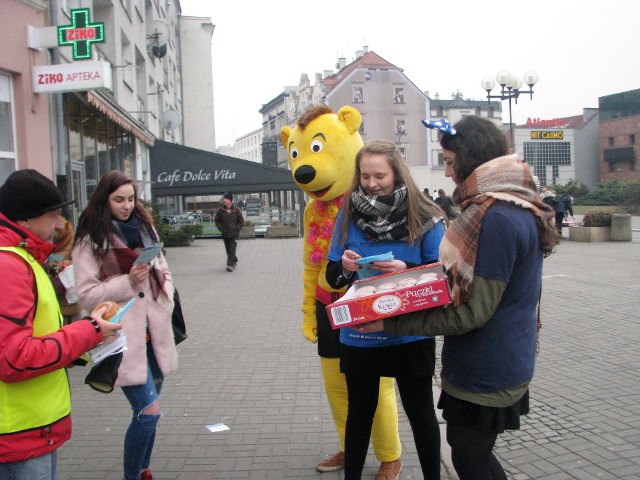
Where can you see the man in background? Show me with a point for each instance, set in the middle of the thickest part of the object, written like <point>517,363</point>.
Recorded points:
<point>229,221</point>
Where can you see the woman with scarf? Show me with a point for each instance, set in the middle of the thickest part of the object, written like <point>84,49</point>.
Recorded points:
<point>111,232</point>
<point>384,211</point>
<point>493,253</point>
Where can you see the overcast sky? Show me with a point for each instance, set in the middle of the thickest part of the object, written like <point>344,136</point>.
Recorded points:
<point>581,49</point>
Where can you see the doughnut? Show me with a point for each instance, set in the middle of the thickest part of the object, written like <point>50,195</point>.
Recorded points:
<point>369,288</point>
<point>428,276</point>
<point>112,309</point>
<point>364,292</point>
<point>385,287</point>
<point>407,282</point>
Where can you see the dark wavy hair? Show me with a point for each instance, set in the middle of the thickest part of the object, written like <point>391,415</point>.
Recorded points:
<point>477,140</point>
<point>95,220</point>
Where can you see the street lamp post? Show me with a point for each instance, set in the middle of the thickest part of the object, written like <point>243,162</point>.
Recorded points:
<point>510,86</point>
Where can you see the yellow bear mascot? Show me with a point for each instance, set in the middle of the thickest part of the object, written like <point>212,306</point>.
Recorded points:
<point>321,150</point>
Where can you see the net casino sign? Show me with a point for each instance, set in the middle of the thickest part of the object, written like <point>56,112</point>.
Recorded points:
<point>547,135</point>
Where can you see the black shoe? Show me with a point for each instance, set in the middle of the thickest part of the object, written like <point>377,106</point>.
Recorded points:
<point>229,268</point>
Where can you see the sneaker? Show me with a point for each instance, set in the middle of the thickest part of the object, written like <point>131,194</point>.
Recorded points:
<point>389,470</point>
<point>146,475</point>
<point>332,464</point>
<point>229,268</point>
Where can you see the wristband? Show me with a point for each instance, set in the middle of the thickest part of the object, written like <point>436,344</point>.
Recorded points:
<point>94,322</point>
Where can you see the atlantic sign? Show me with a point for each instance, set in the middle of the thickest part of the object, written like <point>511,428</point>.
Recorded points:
<point>71,77</point>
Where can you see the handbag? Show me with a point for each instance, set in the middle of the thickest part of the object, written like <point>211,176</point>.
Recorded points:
<point>177,320</point>
<point>102,376</point>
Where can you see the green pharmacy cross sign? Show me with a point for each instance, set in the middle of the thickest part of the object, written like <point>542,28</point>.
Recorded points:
<point>81,34</point>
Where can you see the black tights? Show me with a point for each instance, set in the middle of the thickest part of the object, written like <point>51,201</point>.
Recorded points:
<point>417,401</point>
<point>471,453</point>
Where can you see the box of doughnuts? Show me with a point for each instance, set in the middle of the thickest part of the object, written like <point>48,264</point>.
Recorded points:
<point>391,294</point>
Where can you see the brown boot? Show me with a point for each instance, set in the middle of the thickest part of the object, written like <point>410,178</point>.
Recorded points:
<point>389,470</point>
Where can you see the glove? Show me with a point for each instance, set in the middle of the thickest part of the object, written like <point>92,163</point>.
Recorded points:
<point>310,328</point>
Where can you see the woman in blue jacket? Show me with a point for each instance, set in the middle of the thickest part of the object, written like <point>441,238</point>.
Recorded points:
<point>493,253</point>
<point>384,211</point>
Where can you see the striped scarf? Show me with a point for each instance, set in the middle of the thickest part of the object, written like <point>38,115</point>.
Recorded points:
<point>505,178</point>
<point>381,217</point>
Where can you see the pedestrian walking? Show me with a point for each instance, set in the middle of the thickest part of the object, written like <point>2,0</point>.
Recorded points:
<point>384,211</point>
<point>446,204</point>
<point>35,347</point>
<point>111,233</point>
<point>490,330</point>
<point>229,221</point>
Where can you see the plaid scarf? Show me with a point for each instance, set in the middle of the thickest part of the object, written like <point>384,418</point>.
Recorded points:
<point>119,259</point>
<point>505,178</point>
<point>381,217</point>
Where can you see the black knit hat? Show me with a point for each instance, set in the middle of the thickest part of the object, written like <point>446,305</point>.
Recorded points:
<point>29,194</point>
<point>228,195</point>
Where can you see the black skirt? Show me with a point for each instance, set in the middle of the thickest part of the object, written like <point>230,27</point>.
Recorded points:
<point>414,360</point>
<point>488,419</point>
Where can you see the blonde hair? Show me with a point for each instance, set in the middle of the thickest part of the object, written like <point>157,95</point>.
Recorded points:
<point>419,207</point>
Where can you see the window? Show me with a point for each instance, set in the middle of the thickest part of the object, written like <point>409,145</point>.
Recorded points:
<point>7,149</point>
<point>358,96</point>
<point>398,96</point>
<point>541,155</point>
<point>611,142</point>
<point>632,139</point>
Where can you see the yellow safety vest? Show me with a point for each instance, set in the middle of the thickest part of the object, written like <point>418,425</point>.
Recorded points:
<point>45,399</point>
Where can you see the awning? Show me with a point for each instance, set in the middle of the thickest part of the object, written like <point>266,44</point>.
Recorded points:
<point>111,111</point>
<point>180,170</point>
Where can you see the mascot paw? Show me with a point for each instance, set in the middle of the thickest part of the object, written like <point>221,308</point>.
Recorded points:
<point>310,333</point>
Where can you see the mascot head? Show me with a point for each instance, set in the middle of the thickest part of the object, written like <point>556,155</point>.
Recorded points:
<point>321,150</point>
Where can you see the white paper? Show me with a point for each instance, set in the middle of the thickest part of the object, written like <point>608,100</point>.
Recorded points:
<point>105,350</point>
<point>217,427</point>
<point>68,282</point>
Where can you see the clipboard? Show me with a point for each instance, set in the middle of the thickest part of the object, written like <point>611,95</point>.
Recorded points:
<point>147,254</point>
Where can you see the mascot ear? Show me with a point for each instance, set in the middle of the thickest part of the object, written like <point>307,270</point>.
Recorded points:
<point>350,117</point>
<point>285,132</point>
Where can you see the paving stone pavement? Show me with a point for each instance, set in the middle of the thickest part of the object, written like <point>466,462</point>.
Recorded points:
<point>246,365</point>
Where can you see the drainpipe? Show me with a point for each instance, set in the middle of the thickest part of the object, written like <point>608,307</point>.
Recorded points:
<point>58,108</point>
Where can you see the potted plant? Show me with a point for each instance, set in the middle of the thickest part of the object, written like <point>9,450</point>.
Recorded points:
<point>280,230</point>
<point>595,227</point>
<point>248,230</point>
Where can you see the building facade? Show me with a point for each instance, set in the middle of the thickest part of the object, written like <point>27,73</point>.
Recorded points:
<point>562,149</point>
<point>25,127</point>
<point>98,101</point>
<point>249,146</point>
<point>619,136</point>
<point>197,92</point>
<point>452,110</point>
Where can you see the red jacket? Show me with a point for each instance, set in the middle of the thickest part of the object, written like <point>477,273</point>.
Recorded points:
<point>23,356</point>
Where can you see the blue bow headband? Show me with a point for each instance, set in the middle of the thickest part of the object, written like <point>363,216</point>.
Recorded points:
<point>441,125</point>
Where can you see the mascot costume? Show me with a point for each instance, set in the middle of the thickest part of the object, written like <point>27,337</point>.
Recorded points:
<point>321,151</point>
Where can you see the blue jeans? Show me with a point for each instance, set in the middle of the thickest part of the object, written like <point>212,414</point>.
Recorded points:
<point>138,442</point>
<point>38,468</point>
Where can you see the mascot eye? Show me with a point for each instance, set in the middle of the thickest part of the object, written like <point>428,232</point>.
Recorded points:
<point>316,146</point>
<point>294,153</point>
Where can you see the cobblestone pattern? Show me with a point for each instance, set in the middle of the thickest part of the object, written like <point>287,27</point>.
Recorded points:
<point>246,365</point>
